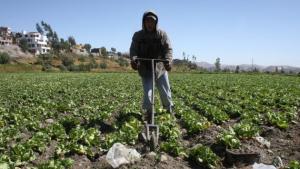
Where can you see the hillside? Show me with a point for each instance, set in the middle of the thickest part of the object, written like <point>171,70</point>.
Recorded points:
<point>15,51</point>
<point>25,61</point>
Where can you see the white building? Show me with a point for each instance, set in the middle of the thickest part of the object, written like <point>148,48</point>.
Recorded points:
<point>6,37</point>
<point>37,43</point>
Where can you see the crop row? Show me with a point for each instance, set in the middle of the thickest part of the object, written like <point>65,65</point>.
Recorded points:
<point>60,115</point>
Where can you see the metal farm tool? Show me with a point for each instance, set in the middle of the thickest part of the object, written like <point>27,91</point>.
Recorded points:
<point>151,134</point>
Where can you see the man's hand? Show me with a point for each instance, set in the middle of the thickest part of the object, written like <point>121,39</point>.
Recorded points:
<point>134,64</point>
<point>167,66</point>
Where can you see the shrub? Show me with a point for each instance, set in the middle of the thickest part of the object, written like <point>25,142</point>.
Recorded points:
<point>63,68</point>
<point>23,45</point>
<point>93,65</point>
<point>73,68</point>
<point>4,58</point>
<point>123,62</point>
<point>46,67</point>
<point>103,65</point>
<point>83,67</point>
<point>77,68</point>
<point>45,59</point>
<point>67,60</point>
<point>82,58</point>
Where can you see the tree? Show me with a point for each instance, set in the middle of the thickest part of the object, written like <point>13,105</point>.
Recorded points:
<point>56,46</point>
<point>55,37</point>
<point>237,69</point>
<point>23,45</point>
<point>51,35</point>
<point>39,28</point>
<point>65,45</point>
<point>119,54</point>
<point>218,64</point>
<point>103,51</point>
<point>194,58</point>
<point>113,50</point>
<point>282,70</point>
<point>126,55</point>
<point>71,40</point>
<point>87,47</point>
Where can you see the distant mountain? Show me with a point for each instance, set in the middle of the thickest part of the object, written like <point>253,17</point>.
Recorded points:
<point>282,68</point>
<point>243,67</point>
<point>249,67</point>
<point>206,65</point>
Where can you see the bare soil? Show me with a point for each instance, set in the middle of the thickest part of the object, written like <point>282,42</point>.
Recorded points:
<point>284,144</point>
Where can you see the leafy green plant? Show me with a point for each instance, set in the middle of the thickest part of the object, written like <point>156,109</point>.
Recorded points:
<point>39,141</point>
<point>69,122</point>
<point>21,154</point>
<point>204,156</point>
<point>168,127</point>
<point>294,164</point>
<point>129,131</point>
<point>4,165</point>
<point>246,129</point>
<point>277,119</point>
<point>173,147</point>
<point>57,164</point>
<point>79,113</point>
<point>92,137</point>
<point>56,131</point>
<point>229,139</point>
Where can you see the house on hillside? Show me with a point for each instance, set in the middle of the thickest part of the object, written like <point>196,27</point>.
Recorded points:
<point>37,43</point>
<point>96,51</point>
<point>6,37</point>
<point>112,55</point>
<point>79,50</point>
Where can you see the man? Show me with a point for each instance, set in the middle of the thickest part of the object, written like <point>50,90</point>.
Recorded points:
<point>151,42</point>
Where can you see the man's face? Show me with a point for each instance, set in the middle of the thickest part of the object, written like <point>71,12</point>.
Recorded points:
<point>150,24</point>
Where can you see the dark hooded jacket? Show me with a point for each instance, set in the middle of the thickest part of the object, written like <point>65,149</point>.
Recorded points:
<point>151,45</point>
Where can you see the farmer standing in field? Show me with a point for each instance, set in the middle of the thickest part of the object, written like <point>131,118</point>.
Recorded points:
<point>152,43</point>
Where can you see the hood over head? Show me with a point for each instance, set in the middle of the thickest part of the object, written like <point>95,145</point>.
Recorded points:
<point>151,14</point>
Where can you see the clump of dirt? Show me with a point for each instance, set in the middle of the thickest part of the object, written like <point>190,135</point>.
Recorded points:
<point>81,161</point>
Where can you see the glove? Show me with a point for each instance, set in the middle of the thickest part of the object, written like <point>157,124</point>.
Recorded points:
<point>167,66</point>
<point>134,65</point>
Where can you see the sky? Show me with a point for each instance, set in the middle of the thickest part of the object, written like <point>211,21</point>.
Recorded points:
<point>265,32</point>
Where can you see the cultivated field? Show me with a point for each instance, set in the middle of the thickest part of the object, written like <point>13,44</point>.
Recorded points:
<point>70,120</point>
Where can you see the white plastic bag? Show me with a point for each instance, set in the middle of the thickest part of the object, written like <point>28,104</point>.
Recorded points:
<point>118,154</point>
